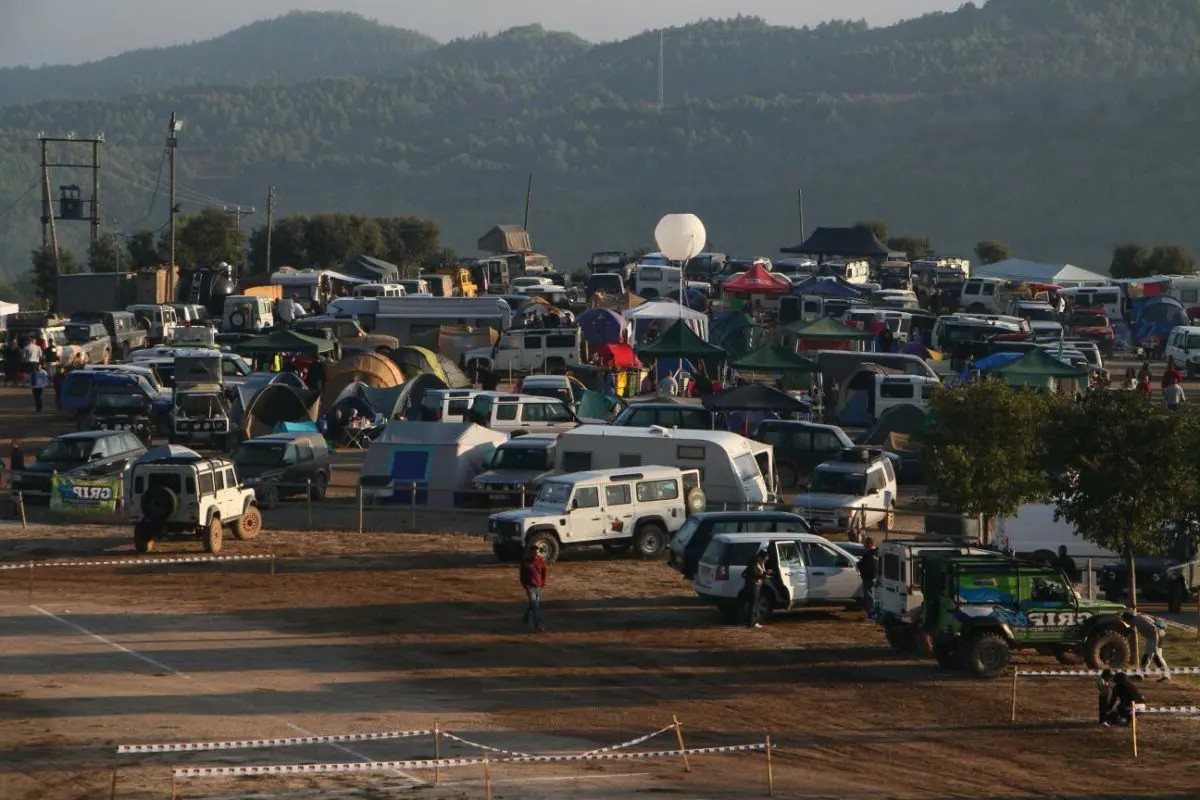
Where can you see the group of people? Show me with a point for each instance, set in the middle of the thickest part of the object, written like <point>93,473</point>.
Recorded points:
<point>27,362</point>
<point>1171,384</point>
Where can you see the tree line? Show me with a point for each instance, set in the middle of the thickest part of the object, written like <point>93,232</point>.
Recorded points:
<point>988,251</point>
<point>1120,469</point>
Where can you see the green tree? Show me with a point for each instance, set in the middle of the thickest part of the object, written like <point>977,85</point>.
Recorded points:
<point>914,246</point>
<point>1170,259</point>
<point>985,449</point>
<point>142,251</point>
<point>335,238</point>
<point>209,237</point>
<point>1102,481</point>
<point>877,227</point>
<point>1128,261</point>
<point>105,255</point>
<point>289,245</point>
<point>45,268</point>
<point>989,251</point>
<point>408,240</point>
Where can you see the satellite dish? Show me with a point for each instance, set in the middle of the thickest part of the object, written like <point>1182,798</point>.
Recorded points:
<point>680,236</point>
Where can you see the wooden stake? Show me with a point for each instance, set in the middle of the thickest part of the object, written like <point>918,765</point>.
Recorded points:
<point>174,793</point>
<point>1014,697</point>
<point>1133,726</point>
<point>21,508</point>
<point>31,579</point>
<point>487,778</point>
<point>683,750</point>
<point>112,789</point>
<point>770,771</point>
<point>437,752</point>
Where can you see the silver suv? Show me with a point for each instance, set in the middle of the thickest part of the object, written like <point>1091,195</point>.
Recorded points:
<point>190,495</point>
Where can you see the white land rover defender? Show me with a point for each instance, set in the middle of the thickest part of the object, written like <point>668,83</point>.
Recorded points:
<point>615,508</point>
<point>190,495</point>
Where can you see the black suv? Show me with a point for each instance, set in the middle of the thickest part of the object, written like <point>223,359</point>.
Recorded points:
<point>86,454</point>
<point>120,405</point>
<point>284,464</point>
<point>1154,582</point>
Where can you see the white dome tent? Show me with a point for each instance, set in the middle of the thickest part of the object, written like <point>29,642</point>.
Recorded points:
<point>664,313</point>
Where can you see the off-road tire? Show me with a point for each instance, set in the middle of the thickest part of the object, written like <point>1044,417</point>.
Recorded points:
<point>617,548</point>
<point>213,536</point>
<point>1176,596</point>
<point>546,544</point>
<point>901,638</point>
<point>947,656</point>
<point>320,485</point>
<point>249,524</point>
<point>649,541</point>
<point>159,503</point>
<point>143,538</point>
<point>507,553</point>
<point>987,655</point>
<point>1107,649</point>
<point>695,501</point>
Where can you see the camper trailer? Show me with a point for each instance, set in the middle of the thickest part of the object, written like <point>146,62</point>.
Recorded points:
<point>407,318</point>
<point>735,471</point>
<point>312,287</point>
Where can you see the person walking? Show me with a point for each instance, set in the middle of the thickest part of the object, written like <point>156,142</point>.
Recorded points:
<point>868,568</point>
<point>1173,396</point>
<point>31,356</point>
<point>39,381</point>
<point>533,580</point>
<point>754,577</point>
<point>1151,631</point>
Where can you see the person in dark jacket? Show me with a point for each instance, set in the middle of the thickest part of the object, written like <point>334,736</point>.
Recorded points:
<point>1121,701</point>
<point>868,568</point>
<point>755,577</point>
<point>1066,563</point>
<point>533,580</point>
<point>1104,687</point>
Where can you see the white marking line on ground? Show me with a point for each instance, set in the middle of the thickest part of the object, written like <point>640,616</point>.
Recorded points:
<point>549,778</point>
<point>173,671</point>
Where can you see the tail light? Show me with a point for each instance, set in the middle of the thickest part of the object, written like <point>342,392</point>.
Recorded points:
<point>722,573</point>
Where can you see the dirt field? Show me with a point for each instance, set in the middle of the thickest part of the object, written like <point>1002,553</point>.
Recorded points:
<point>400,631</point>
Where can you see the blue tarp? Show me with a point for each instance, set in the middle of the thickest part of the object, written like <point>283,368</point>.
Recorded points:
<point>601,326</point>
<point>995,360</point>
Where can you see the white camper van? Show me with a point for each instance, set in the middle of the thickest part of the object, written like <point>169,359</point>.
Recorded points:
<point>734,470</point>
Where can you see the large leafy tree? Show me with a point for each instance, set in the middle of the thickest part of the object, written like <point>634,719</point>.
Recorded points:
<point>1121,469</point>
<point>104,255</point>
<point>143,252</point>
<point>989,251</point>
<point>1170,259</point>
<point>45,267</point>
<point>985,448</point>
<point>1128,261</point>
<point>914,246</point>
<point>209,237</point>
<point>875,226</point>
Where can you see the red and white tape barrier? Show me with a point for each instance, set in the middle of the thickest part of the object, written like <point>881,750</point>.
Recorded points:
<point>484,746</point>
<point>251,744</point>
<point>631,742</point>
<point>133,562</point>
<point>1082,673</point>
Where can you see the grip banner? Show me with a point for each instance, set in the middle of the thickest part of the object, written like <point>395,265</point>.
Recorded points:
<point>75,495</point>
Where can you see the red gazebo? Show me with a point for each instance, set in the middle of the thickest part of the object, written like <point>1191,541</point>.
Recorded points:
<point>757,280</point>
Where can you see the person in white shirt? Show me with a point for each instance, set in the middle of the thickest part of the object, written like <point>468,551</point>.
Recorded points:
<point>31,356</point>
<point>1173,396</point>
<point>39,380</point>
<point>669,386</point>
<point>297,309</point>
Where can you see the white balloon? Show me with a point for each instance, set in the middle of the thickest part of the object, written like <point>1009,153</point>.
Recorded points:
<point>680,236</point>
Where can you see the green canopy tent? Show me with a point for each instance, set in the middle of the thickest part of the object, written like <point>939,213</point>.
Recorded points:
<point>733,333</point>
<point>824,333</point>
<point>1040,370</point>
<point>772,357</point>
<point>680,341</point>
<point>284,342</point>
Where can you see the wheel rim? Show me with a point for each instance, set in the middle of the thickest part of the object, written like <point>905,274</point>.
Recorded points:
<point>993,656</point>
<point>250,523</point>
<point>650,543</point>
<point>543,548</point>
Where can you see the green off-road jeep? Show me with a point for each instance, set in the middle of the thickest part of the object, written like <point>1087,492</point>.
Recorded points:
<point>979,609</point>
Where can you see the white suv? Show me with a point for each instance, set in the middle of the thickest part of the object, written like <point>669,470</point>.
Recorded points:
<point>851,492</point>
<point>1183,345</point>
<point>528,350</point>
<point>188,494</point>
<point>522,413</point>
<point>615,508</point>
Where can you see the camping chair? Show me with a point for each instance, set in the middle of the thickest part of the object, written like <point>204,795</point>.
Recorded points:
<point>362,437</point>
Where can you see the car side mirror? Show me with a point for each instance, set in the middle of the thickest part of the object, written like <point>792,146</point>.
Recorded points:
<point>574,504</point>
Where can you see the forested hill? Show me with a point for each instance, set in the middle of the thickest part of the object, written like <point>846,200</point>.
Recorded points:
<point>298,47</point>
<point>1061,127</point>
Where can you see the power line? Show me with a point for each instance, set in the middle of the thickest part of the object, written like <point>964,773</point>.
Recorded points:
<point>18,199</point>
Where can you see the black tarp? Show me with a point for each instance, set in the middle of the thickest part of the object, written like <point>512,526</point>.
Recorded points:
<point>371,269</point>
<point>753,397</point>
<point>858,242</point>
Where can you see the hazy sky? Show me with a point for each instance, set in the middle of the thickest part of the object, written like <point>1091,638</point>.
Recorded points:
<point>70,31</point>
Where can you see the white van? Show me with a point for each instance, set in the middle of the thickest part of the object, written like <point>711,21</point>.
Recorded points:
<point>1034,533</point>
<point>735,471</point>
<point>1109,297</point>
<point>364,309</point>
<point>1183,345</point>
<point>808,570</point>
<point>652,281</point>
<point>415,286</point>
<point>158,320</point>
<point>247,313</point>
<point>851,271</point>
<point>902,390</point>
<point>380,290</point>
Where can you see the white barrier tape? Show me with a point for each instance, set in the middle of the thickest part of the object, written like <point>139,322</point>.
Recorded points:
<point>484,746</point>
<point>250,744</point>
<point>1080,673</point>
<point>383,766</point>
<point>630,743</point>
<point>135,562</point>
<point>1183,710</point>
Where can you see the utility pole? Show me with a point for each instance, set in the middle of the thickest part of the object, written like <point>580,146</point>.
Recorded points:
<point>662,69</point>
<point>237,212</point>
<point>71,205</point>
<point>528,200</point>
<point>173,128</point>
<point>47,210</point>
<point>801,193</point>
<point>96,188</point>
<point>270,223</point>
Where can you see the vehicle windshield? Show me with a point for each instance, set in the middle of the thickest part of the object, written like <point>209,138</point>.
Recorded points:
<point>549,391</point>
<point>830,481</point>
<point>67,450</point>
<point>201,405</point>
<point>608,259</point>
<point>609,281</point>
<point>1039,314</point>
<point>553,496</point>
<point>1089,320</point>
<point>78,335</point>
<point>259,454</point>
<point>1193,341</point>
<point>522,458</point>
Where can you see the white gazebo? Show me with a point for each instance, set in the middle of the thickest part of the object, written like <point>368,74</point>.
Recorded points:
<point>1065,275</point>
<point>665,313</point>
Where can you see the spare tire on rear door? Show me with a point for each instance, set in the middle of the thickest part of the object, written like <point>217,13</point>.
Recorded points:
<point>159,503</point>
<point>695,501</point>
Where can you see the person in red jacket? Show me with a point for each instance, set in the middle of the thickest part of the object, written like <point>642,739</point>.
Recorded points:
<point>533,580</point>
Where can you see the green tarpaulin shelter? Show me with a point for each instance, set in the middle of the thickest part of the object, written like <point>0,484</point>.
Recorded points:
<point>284,342</point>
<point>774,358</point>
<point>826,328</point>
<point>1039,369</point>
<point>733,333</point>
<point>679,341</point>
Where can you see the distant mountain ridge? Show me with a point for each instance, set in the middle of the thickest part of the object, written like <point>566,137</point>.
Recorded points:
<point>1058,126</point>
<point>297,47</point>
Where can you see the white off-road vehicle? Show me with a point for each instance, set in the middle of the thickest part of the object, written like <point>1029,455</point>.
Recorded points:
<point>616,508</point>
<point>190,495</point>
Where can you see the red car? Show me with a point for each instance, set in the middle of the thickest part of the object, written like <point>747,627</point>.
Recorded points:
<point>1093,324</point>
